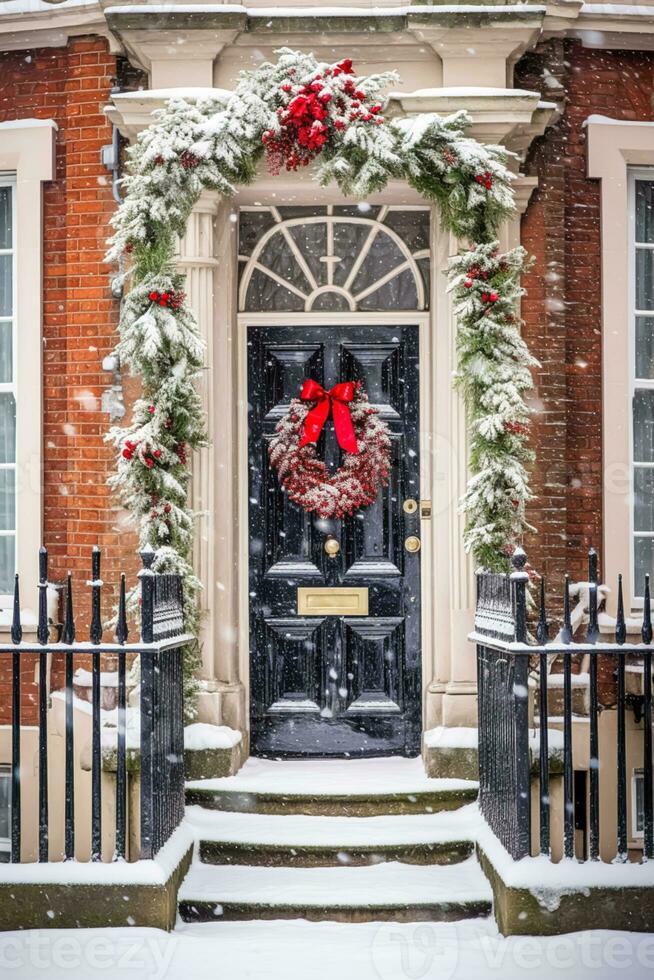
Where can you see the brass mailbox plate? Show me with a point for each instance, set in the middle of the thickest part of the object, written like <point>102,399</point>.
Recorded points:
<point>332,602</point>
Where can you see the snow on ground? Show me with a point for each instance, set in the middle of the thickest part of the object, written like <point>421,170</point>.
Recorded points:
<point>356,777</point>
<point>300,950</point>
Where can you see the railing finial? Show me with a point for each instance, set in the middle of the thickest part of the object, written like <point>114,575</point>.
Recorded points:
<point>566,631</point>
<point>542,628</point>
<point>592,565</point>
<point>121,623</point>
<point>68,634</point>
<point>620,624</point>
<point>146,576</point>
<point>16,628</point>
<point>592,633</point>
<point>96,586</point>
<point>646,631</point>
<point>42,628</point>
<point>519,579</point>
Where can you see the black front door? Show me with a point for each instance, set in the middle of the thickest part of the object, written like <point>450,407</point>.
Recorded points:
<point>334,685</point>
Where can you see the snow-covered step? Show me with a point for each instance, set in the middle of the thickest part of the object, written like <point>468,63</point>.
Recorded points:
<point>294,840</point>
<point>332,787</point>
<point>393,891</point>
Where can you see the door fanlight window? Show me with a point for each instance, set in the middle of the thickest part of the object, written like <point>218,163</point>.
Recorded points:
<point>333,258</point>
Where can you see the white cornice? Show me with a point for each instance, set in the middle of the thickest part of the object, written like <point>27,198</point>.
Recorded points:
<point>34,23</point>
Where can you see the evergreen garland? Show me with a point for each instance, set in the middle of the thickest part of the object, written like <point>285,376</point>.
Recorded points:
<point>300,111</point>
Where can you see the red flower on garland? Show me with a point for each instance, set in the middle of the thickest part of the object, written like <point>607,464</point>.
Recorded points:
<point>486,179</point>
<point>311,113</point>
<point>305,478</point>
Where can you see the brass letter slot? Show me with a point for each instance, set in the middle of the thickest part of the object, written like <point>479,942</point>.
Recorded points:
<point>332,602</point>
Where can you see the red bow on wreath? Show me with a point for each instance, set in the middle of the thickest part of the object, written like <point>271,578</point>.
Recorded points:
<point>337,399</point>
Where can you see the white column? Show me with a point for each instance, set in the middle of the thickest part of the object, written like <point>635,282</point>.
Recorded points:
<point>198,262</point>
<point>207,257</point>
<point>451,692</point>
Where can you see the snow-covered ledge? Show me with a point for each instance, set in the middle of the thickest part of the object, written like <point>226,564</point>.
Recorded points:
<point>513,117</point>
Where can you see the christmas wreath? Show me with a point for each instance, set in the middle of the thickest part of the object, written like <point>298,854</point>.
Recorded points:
<point>360,432</point>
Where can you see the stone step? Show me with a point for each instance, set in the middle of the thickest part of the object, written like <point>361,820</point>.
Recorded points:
<point>351,788</point>
<point>308,841</point>
<point>382,892</point>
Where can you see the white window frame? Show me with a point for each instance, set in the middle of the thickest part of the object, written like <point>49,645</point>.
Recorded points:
<point>614,147</point>
<point>9,180</point>
<point>27,151</point>
<point>635,174</point>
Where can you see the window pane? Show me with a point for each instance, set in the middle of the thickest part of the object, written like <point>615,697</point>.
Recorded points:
<point>399,293</point>
<point>411,226</point>
<point>383,256</point>
<point>7,562</point>
<point>278,256</point>
<point>644,347</point>
<point>643,426</point>
<point>644,213</point>
<point>6,285</point>
<point>6,230</point>
<point>7,427</point>
<point>7,500</point>
<point>331,303</point>
<point>264,293</point>
<point>643,499</point>
<point>643,562</point>
<point>6,345</point>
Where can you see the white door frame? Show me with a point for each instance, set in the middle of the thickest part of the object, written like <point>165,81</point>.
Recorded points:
<point>423,321</point>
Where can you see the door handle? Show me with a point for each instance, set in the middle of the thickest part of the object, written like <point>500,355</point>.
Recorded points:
<point>412,544</point>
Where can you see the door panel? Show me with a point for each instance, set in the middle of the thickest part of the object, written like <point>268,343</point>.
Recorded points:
<point>334,685</point>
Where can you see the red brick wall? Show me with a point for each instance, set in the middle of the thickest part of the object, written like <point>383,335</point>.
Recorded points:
<point>563,307</point>
<point>71,86</point>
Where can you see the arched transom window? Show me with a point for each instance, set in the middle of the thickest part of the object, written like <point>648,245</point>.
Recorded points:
<point>333,258</point>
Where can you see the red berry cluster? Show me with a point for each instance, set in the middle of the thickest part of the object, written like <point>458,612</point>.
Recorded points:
<point>486,179</point>
<point>188,160</point>
<point>474,272</point>
<point>516,428</point>
<point>170,299</point>
<point>305,118</point>
<point>160,510</point>
<point>149,457</point>
<point>129,448</point>
<point>180,449</point>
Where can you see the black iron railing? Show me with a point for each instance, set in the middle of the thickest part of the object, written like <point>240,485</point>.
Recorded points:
<point>511,664</point>
<point>160,712</point>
